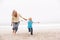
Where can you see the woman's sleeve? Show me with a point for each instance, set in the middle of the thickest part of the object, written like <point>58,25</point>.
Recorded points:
<point>20,16</point>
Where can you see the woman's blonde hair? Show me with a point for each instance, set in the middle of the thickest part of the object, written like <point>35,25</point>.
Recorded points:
<point>14,13</point>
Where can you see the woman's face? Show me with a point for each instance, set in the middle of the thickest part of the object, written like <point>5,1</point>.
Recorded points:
<point>14,13</point>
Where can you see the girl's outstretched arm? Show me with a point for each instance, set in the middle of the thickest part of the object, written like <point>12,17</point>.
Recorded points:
<point>36,22</point>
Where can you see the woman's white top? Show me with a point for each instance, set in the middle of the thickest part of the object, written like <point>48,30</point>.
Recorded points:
<point>15,19</point>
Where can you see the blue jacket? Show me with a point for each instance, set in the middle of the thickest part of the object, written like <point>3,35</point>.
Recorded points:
<point>30,24</point>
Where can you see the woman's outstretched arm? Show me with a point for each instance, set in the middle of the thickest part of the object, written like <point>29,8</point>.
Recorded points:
<point>22,17</point>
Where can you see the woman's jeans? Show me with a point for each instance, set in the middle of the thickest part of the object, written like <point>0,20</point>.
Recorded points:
<point>15,26</point>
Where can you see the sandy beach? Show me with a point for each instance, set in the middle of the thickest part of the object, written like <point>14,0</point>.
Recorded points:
<point>44,33</point>
<point>37,36</point>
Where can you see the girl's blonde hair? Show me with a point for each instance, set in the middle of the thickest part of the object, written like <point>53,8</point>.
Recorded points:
<point>30,18</point>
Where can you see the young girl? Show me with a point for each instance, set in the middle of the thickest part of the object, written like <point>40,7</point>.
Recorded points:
<point>30,22</point>
<point>15,21</point>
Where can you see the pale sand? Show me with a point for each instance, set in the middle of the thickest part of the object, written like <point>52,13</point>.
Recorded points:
<point>26,36</point>
<point>40,33</point>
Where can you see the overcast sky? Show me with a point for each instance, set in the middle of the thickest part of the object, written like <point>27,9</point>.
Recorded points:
<point>45,11</point>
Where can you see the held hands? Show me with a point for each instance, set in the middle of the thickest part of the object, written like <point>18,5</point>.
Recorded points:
<point>25,19</point>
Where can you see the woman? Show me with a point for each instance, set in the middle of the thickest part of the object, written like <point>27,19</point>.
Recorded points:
<point>15,21</point>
